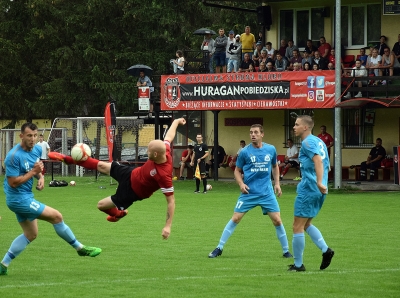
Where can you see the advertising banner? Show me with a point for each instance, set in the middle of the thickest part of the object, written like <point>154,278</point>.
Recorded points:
<point>143,92</point>
<point>251,91</point>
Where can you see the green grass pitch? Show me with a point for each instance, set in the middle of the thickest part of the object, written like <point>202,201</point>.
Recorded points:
<point>362,228</point>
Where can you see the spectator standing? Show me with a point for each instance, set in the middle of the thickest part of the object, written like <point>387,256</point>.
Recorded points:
<point>282,49</point>
<point>231,40</point>
<point>326,138</point>
<point>325,48</point>
<point>248,42</point>
<point>310,48</point>
<point>289,50</point>
<point>280,63</point>
<point>45,150</point>
<point>209,45</point>
<point>198,158</point>
<point>179,63</point>
<point>382,45</point>
<point>220,51</point>
<point>185,160</point>
<point>235,50</point>
<point>396,48</point>
<point>373,161</point>
<point>145,81</point>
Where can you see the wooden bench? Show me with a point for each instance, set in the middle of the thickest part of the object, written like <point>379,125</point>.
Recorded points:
<point>385,173</point>
<point>345,173</point>
<point>189,173</point>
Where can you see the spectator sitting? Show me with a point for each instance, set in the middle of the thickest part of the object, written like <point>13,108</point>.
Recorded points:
<point>363,57</point>
<point>332,59</point>
<point>233,162</point>
<point>315,67</point>
<point>280,63</point>
<point>244,66</point>
<point>358,71</point>
<point>270,67</point>
<point>307,66</point>
<point>389,64</point>
<point>325,48</point>
<point>251,68</point>
<point>331,66</point>
<point>221,159</point>
<point>374,63</point>
<point>296,66</point>
<point>257,53</point>
<point>289,50</point>
<point>373,161</point>
<point>320,61</point>
<point>263,57</point>
<point>185,160</point>
<point>235,50</point>
<point>263,67</point>
<point>270,51</point>
<point>396,48</point>
<point>296,58</point>
<point>306,58</point>
<point>291,159</point>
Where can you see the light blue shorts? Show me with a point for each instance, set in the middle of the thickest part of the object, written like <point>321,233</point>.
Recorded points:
<point>246,202</point>
<point>26,209</point>
<point>308,205</point>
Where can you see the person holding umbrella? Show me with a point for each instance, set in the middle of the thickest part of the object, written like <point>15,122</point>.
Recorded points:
<point>208,45</point>
<point>145,81</point>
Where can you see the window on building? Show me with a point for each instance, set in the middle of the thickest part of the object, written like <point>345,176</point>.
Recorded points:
<point>358,127</point>
<point>360,25</point>
<point>301,24</point>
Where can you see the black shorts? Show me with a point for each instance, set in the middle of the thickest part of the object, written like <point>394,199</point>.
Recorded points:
<point>294,163</point>
<point>202,166</point>
<point>125,196</point>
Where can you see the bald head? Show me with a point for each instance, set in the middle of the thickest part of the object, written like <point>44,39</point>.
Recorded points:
<point>156,151</point>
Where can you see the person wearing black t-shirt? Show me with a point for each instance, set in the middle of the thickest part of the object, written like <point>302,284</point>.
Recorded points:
<point>200,154</point>
<point>373,161</point>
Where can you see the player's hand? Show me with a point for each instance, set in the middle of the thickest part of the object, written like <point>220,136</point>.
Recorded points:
<point>38,167</point>
<point>322,188</point>
<point>40,184</point>
<point>278,190</point>
<point>166,231</point>
<point>244,188</point>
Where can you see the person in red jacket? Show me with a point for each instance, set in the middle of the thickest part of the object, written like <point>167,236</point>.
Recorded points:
<point>326,138</point>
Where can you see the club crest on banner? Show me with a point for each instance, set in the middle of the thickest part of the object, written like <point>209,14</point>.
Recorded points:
<point>172,94</point>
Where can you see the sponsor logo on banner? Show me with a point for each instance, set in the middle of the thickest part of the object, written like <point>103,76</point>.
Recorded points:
<point>311,95</point>
<point>320,82</point>
<point>311,82</point>
<point>172,92</point>
<point>143,92</point>
<point>320,95</point>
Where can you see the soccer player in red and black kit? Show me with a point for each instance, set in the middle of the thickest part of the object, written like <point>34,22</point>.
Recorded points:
<point>135,184</point>
<point>200,154</point>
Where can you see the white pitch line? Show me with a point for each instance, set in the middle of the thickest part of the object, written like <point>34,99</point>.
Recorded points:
<point>152,279</point>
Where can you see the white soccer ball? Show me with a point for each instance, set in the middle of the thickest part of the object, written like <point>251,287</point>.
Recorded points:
<point>72,183</point>
<point>209,187</point>
<point>81,152</point>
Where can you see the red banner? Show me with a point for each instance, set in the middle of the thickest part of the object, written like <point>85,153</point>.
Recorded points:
<point>249,91</point>
<point>144,92</point>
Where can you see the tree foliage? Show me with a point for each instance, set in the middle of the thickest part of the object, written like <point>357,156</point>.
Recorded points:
<point>68,58</point>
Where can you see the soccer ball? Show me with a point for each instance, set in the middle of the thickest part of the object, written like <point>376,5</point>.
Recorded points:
<point>81,152</point>
<point>209,187</point>
<point>72,183</point>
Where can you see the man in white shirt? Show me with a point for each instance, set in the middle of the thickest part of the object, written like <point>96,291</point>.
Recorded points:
<point>231,40</point>
<point>358,71</point>
<point>45,150</point>
<point>291,159</point>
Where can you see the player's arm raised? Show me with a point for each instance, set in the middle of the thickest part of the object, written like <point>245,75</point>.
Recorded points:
<point>170,215</point>
<point>170,136</point>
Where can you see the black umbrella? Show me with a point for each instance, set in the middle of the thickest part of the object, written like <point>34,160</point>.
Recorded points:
<point>204,31</point>
<point>134,70</point>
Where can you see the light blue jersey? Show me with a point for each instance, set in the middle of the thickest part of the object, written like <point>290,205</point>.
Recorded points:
<point>311,146</point>
<point>256,164</point>
<point>18,162</point>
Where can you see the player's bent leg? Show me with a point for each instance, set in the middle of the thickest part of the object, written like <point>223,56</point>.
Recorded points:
<point>275,218</point>
<point>51,215</point>
<point>107,206</point>
<point>30,229</point>
<point>104,167</point>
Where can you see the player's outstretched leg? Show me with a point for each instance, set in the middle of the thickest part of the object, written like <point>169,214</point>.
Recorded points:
<point>88,251</point>
<point>228,231</point>
<point>117,217</point>
<point>61,157</point>
<point>327,258</point>
<point>3,269</point>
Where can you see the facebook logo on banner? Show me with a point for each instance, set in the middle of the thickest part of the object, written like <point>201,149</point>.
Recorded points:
<point>320,82</point>
<point>311,82</point>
